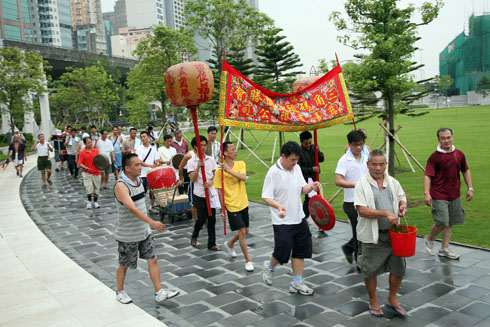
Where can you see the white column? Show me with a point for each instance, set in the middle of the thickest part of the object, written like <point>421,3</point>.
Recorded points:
<point>30,125</point>
<point>47,127</point>
<point>5,119</point>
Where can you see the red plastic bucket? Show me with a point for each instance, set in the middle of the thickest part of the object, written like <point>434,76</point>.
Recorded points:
<point>403,244</point>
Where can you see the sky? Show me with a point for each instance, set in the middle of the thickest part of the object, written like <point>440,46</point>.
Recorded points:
<point>306,25</point>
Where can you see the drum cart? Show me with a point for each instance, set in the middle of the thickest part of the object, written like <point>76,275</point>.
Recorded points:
<point>172,204</point>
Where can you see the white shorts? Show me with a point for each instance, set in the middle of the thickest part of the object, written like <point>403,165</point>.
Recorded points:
<point>91,183</point>
<point>18,161</point>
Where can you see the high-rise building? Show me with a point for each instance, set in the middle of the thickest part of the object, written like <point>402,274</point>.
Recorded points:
<point>126,41</point>
<point>51,21</point>
<point>15,21</point>
<point>174,13</point>
<point>87,15</point>
<point>108,19</point>
<point>144,13</point>
<point>120,19</point>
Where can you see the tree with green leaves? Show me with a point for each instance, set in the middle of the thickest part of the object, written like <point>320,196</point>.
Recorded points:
<point>444,84</point>
<point>277,61</point>
<point>226,24</point>
<point>87,93</point>
<point>21,75</point>
<point>386,34</point>
<point>146,82</point>
<point>483,86</point>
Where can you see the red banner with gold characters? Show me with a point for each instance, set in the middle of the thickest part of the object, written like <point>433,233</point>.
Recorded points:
<point>245,104</point>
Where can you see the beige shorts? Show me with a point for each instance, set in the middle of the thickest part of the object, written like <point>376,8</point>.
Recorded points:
<point>91,183</point>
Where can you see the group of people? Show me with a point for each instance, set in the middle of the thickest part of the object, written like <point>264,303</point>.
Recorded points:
<point>373,201</point>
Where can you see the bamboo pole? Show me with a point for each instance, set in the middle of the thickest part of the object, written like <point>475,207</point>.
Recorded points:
<point>375,137</point>
<point>335,194</point>
<point>255,155</point>
<point>253,135</point>
<point>258,144</point>
<point>408,160</point>
<point>403,147</point>
<point>274,148</point>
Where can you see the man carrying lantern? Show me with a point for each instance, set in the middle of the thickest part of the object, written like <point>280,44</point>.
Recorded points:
<point>283,186</point>
<point>379,200</point>
<point>194,168</point>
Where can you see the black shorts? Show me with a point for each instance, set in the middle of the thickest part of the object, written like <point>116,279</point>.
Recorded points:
<point>238,219</point>
<point>295,238</point>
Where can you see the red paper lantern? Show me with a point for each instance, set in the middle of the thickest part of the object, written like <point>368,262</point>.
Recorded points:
<point>189,84</point>
<point>301,83</point>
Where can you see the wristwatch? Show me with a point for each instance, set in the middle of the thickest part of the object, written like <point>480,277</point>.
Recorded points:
<point>471,189</point>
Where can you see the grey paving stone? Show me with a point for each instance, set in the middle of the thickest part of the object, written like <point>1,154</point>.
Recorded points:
<point>329,318</point>
<point>416,299</point>
<point>438,289</point>
<point>352,308</point>
<point>270,309</point>
<point>307,311</point>
<point>429,313</point>
<point>224,299</point>
<point>477,309</point>
<point>280,320</point>
<point>456,319</point>
<point>473,291</point>
<point>205,318</point>
<point>452,301</point>
<point>241,319</point>
<point>239,306</point>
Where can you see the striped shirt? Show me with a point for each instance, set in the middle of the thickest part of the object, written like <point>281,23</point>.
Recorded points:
<point>128,227</point>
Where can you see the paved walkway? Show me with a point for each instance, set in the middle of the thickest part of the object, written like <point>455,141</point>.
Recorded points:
<point>39,284</point>
<point>217,291</point>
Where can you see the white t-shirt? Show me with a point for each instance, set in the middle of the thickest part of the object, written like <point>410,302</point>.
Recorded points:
<point>42,149</point>
<point>142,151</point>
<point>352,170</point>
<point>285,187</point>
<point>209,168</point>
<point>105,148</point>
<point>167,154</point>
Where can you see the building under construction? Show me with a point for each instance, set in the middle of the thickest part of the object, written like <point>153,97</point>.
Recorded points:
<point>467,58</point>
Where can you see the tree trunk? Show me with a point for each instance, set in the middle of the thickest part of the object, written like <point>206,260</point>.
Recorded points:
<point>391,122</point>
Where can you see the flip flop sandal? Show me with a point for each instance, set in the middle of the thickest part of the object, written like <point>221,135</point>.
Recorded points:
<point>50,182</point>
<point>215,248</point>
<point>396,310</point>
<point>44,186</point>
<point>376,312</point>
<point>194,242</point>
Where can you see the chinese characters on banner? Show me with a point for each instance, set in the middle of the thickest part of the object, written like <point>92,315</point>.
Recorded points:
<point>246,104</point>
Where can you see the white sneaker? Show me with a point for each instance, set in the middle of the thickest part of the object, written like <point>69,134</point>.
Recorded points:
<point>301,289</point>
<point>165,294</point>
<point>96,205</point>
<point>429,246</point>
<point>123,297</point>
<point>249,266</point>
<point>266,274</point>
<point>89,204</point>
<point>231,251</point>
<point>448,254</point>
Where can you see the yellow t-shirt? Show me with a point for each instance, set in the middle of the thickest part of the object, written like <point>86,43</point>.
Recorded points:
<point>236,198</point>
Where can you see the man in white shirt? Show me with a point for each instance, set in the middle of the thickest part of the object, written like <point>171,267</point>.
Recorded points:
<point>43,163</point>
<point>104,145</point>
<point>71,144</point>
<point>150,158</point>
<point>350,168</point>
<point>199,195</point>
<point>167,151</point>
<point>213,148</point>
<point>283,186</point>
<point>380,200</point>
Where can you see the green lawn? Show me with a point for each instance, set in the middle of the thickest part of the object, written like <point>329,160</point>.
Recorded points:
<point>419,137</point>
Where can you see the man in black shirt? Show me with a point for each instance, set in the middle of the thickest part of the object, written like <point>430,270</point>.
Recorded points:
<point>307,164</point>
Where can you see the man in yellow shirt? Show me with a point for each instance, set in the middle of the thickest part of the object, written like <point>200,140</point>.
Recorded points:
<point>236,200</point>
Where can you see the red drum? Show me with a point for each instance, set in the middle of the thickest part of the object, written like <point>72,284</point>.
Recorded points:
<point>161,177</point>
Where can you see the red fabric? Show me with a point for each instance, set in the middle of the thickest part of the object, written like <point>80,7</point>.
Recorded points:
<point>444,169</point>
<point>245,104</point>
<point>87,159</point>
<point>180,149</point>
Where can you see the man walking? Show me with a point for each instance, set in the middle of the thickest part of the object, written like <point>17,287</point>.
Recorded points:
<point>19,155</point>
<point>283,186</point>
<point>167,151</point>
<point>131,143</point>
<point>442,190</point>
<point>150,158</point>
<point>43,163</point>
<point>117,141</point>
<point>104,145</point>
<point>380,200</point>
<point>199,196</point>
<point>179,143</point>
<point>133,232</point>
<point>236,201</point>
<point>350,168</point>
<point>213,148</point>
<point>71,144</point>
<point>90,174</point>
<point>307,164</point>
